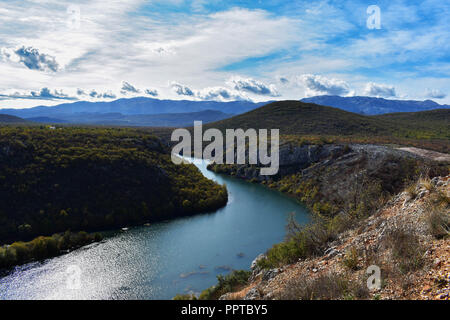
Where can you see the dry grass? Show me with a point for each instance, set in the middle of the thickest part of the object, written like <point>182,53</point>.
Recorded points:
<point>411,190</point>
<point>351,259</point>
<point>425,182</point>
<point>438,216</point>
<point>330,286</point>
<point>406,248</point>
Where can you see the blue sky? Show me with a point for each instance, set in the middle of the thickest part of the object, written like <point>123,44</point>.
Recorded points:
<point>58,51</point>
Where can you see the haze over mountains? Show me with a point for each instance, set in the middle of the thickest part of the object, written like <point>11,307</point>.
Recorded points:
<point>373,106</point>
<point>142,111</point>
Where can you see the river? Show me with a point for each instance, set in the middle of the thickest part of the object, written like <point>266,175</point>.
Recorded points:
<point>157,262</point>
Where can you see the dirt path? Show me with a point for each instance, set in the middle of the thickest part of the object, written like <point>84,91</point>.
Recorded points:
<point>433,155</point>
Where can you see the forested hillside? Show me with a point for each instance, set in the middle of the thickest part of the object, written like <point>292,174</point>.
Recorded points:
<point>93,179</point>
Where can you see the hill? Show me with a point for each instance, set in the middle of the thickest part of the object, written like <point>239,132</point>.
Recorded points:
<point>300,121</point>
<point>93,179</point>
<point>298,118</point>
<point>6,118</point>
<point>374,106</point>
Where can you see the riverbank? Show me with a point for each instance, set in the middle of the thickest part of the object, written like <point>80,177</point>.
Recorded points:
<point>42,248</point>
<point>343,185</point>
<point>408,239</point>
<point>93,179</point>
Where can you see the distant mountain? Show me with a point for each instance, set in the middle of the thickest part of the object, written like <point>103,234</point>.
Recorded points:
<point>46,120</point>
<point>6,118</point>
<point>373,106</point>
<point>147,120</point>
<point>133,106</point>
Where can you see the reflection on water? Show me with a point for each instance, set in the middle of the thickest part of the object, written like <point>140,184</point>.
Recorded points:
<point>161,260</point>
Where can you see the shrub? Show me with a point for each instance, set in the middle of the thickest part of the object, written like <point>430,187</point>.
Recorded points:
<point>185,297</point>
<point>425,182</point>
<point>231,282</point>
<point>301,242</point>
<point>438,220</point>
<point>406,249</point>
<point>331,286</point>
<point>43,247</point>
<point>411,190</point>
<point>351,259</point>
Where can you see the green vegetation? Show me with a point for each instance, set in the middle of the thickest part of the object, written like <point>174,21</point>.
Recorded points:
<point>44,247</point>
<point>185,297</point>
<point>93,179</point>
<point>331,218</point>
<point>234,281</point>
<point>311,123</point>
<point>351,259</point>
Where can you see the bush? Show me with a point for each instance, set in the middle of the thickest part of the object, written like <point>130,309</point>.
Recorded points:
<point>43,247</point>
<point>229,283</point>
<point>185,297</point>
<point>406,249</point>
<point>304,241</point>
<point>331,286</point>
<point>351,259</point>
<point>438,220</point>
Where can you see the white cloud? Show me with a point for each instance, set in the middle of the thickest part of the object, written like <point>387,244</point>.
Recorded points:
<point>435,94</point>
<point>209,93</point>
<point>318,85</point>
<point>220,94</point>
<point>116,41</point>
<point>128,88</point>
<point>152,92</point>
<point>379,90</point>
<point>253,86</point>
<point>43,94</point>
<point>181,89</point>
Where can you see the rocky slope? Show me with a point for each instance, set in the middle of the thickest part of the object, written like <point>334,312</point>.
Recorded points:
<point>376,205</point>
<point>331,175</point>
<point>401,238</point>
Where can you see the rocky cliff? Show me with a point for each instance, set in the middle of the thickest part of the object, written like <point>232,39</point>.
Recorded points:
<point>390,214</point>
<point>408,239</point>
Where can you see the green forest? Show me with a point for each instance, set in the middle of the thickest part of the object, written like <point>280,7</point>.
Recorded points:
<point>93,179</point>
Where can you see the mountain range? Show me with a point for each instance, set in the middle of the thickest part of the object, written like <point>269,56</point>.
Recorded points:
<point>373,106</point>
<point>141,111</point>
<point>142,120</point>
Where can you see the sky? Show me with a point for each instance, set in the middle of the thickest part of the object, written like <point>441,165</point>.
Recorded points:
<point>52,52</point>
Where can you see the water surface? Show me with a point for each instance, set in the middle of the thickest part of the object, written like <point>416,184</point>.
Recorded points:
<point>157,262</point>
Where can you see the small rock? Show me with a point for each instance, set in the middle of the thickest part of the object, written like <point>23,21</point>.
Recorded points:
<point>437,262</point>
<point>270,274</point>
<point>435,180</point>
<point>255,262</point>
<point>226,296</point>
<point>253,294</point>
<point>422,194</point>
<point>426,288</point>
